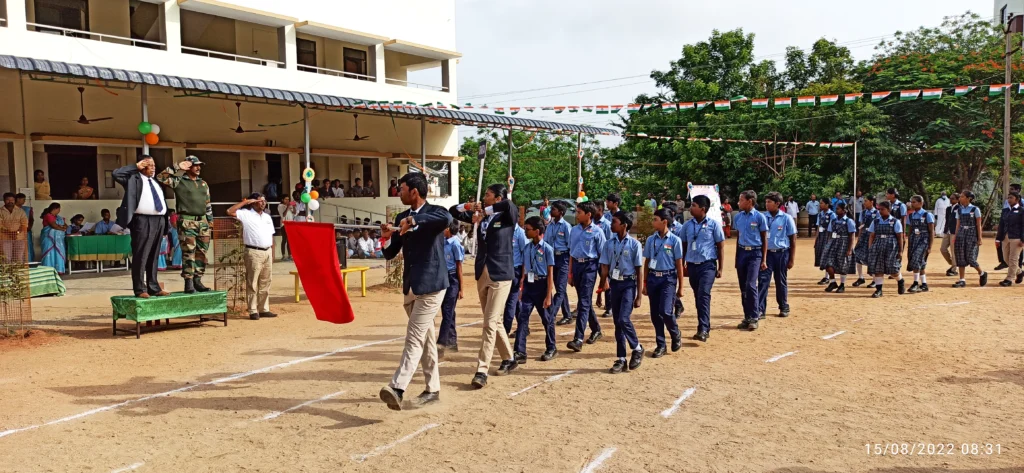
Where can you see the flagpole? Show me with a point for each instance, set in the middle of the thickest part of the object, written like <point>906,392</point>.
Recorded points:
<point>579,163</point>
<point>305,149</point>
<point>855,177</point>
<point>479,186</point>
<point>510,183</point>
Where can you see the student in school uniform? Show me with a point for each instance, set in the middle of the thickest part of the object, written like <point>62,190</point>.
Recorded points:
<point>885,248</point>
<point>896,208</point>
<point>703,259</point>
<point>662,280</point>
<point>603,220</point>
<point>839,250</point>
<point>585,245</point>
<point>1011,229</point>
<point>454,255</point>
<point>612,204</point>
<point>825,217</point>
<point>949,233</point>
<point>999,246</point>
<point>751,255</point>
<point>968,239</point>
<point>538,290</point>
<point>781,237</point>
<point>620,270</point>
<point>868,214</point>
<point>921,233</point>
<point>557,235</point>
<point>512,304</point>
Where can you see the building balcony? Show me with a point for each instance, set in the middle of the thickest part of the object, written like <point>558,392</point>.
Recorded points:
<point>105,38</point>
<point>231,57</point>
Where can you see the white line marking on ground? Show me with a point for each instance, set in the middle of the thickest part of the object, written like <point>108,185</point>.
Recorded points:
<point>675,405</point>
<point>858,320</point>
<point>570,332</point>
<point>129,467</point>
<point>943,305</point>
<point>833,335</point>
<point>779,357</point>
<point>471,323</point>
<point>383,448</point>
<point>276,414</point>
<point>595,464</point>
<point>549,380</point>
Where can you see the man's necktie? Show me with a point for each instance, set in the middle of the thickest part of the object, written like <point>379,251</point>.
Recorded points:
<point>157,200</point>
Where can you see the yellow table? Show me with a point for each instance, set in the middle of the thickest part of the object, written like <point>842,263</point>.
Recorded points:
<point>344,278</point>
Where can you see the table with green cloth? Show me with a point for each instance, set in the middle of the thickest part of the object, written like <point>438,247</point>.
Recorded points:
<point>44,281</point>
<point>173,306</point>
<point>99,247</point>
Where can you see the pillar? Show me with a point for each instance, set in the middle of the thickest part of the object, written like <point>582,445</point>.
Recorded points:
<point>286,49</point>
<point>172,27</point>
<point>16,15</point>
<point>448,76</point>
<point>375,63</point>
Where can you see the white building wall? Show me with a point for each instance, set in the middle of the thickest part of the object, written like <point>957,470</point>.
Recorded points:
<point>1012,6</point>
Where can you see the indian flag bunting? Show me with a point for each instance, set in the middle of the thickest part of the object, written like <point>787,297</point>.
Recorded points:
<point>783,102</point>
<point>685,105</point>
<point>514,110</point>
<point>468,106</point>
<point>547,107</point>
<point>997,89</point>
<point>716,140</point>
<point>574,108</point>
<point>602,109</point>
<point>701,105</point>
<point>908,95</point>
<point>829,100</point>
<point>588,108</point>
<point>530,109</point>
<point>668,106</point>
<point>932,94</point>
<point>499,110</point>
<point>962,90</point>
<point>879,96</point>
<point>806,101</point>
<point>851,98</point>
<point>825,144</point>
<point>759,103</point>
<point>559,109</point>
<point>633,108</point>
<point>722,104</point>
<point>616,108</point>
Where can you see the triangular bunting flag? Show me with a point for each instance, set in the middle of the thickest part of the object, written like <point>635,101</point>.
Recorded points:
<point>759,103</point>
<point>808,101</point>
<point>825,145</point>
<point>514,110</point>
<point>616,108</point>
<point>962,90</point>
<point>701,105</point>
<point>829,100</point>
<point>879,96</point>
<point>574,108</point>
<point>908,95</point>
<point>851,98</point>
<point>932,94</point>
<point>588,108</point>
<point>685,105</point>
<point>530,109</point>
<point>668,106</point>
<point>602,109</point>
<point>783,102</point>
<point>633,108</point>
<point>722,104</point>
<point>499,110</point>
<point>997,89</point>
<point>559,109</point>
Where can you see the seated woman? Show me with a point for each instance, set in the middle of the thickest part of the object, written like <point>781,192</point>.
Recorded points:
<point>52,238</point>
<point>85,191</point>
<point>77,222</point>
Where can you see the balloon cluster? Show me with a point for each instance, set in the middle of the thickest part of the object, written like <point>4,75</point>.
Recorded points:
<point>151,132</point>
<point>309,196</point>
<point>582,197</point>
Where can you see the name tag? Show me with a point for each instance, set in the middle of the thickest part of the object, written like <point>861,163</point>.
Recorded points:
<point>693,246</point>
<point>821,229</point>
<point>616,275</point>
<point>917,231</point>
<point>653,263</point>
<point>835,235</point>
<point>530,277</point>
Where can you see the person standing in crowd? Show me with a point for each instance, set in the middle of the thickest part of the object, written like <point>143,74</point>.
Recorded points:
<point>661,282</point>
<point>837,199</point>
<point>366,245</point>
<point>545,210</point>
<point>286,209</point>
<point>603,220</point>
<point>271,190</point>
<point>968,239</point>
<point>537,289</point>
<point>557,235</point>
<point>13,231</point>
<point>885,248</point>
<point>258,237</point>
<point>494,268</point>
<point>585,244</point>
<point>418,234</point>
<point>781,237</point>
<point>192,199</point>
<point>825,217</point>
<point>41,186</point>
<point>454,255</point>
<point>793,208</point>
<point>838,251</point>
<point>143,212</point>
<point>921,232</point>
<point>652,203</point>
<point>621,261</point>
<point>812,208</point>
<point>896,208</point>
<point>337,191</point>
<point>53,243</point>
<point>370,190</point>
<point>858,206</point>
<point>1011,228</point>
<point>357,188</point>
<point>512,305</point>
<point>393,189</point>
<point>941,204</point>
<point>860,251</point>
<point>19,200</point>
<point>999,248</point>
<point>949,233</point>
<point>751,255</point>
<point>703,259</point>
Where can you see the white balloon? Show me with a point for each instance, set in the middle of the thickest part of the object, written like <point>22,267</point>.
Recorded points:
<point>314,205</point>
<point>156,128</point>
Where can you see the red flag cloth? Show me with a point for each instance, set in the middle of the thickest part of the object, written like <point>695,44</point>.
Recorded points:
<point>316,259</point>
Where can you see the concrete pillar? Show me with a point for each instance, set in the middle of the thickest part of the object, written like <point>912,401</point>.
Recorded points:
<point>448,76</point>
<point>286,50</point>
<point>375,63</point>
<point>382,182</point>
<point>295,167</point>
<point>172,27</point>
<point>17,16</point>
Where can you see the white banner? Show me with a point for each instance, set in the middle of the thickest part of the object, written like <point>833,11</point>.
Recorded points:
<point>715,211</point>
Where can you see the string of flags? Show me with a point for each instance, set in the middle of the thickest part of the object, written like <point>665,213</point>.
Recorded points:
<point>819,144</point>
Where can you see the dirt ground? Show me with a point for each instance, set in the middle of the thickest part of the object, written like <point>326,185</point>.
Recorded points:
<point>937,372</point>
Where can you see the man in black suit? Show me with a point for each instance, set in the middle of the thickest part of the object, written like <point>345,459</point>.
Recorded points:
<point>144,212</point>
<point>418,233</point>
<point>497,218</point>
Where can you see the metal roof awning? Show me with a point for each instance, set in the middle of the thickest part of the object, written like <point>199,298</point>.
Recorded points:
<point>237,12</point>
<point>436,115</point>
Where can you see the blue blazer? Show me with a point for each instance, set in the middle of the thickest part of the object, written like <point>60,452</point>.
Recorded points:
<point>425,271</point>
<point>495,250</point>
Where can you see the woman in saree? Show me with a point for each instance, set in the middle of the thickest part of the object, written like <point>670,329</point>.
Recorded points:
<point>85,191</point>
<point>52,239</point>
<point>174,243</point>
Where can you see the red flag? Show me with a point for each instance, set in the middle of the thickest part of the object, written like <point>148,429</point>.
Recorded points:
<point>316,260</point>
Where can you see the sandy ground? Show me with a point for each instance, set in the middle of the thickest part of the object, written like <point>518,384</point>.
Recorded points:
<point>937,372</point>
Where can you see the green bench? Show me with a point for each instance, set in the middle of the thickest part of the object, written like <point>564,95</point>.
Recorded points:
<point>174,306</point>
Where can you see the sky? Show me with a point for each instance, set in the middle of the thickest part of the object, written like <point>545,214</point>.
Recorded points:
<point>510,46</point>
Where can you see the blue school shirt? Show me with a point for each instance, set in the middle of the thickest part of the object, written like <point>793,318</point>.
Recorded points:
<point>897,225</point>
<point>103,228</point>
<point>537,257</point>
<point>518,243</point>
<point>586,242</point>
<point>700,239</point>
<point>926,215</point>
<point>851,226</point>
<point>557,235</point>
<point>868,216</point>
<point>664,251</point>
<point>750,225</point>
<point>898,209</point>
<point>606,226</point>
<point>826,215</point>
<point>453,252</point>
<point>780,228</point>
<point>623,255</point>
<point>969,210</point>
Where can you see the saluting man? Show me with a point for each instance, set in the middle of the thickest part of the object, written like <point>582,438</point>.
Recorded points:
<point>192,200</point>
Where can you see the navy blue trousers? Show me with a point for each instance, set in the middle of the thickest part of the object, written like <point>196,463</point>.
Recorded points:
<point>512,304</point>
<point>561,297</point>
<point>777,262</point>
<point>533,296</point>
<point>620,301</point>
<point>662,294</point>
<point>446,335</point>
<point>702,277</point>
<point>584,275</point>
<point>748,267</point>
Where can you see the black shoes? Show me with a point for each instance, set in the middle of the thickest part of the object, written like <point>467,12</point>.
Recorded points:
<point>924,287</point>
<point>901,287</point>
<point>701,336</point>
<point>951,272</point>
<point>549,355</point>
<point>479,380</point>
<point>832,286</point>
<point>658,352</point>
<point>1020,277</point>
<point>677,343</point>
<point>189,287</point>
<point>1001,266</point>
<point>1005,283</point>
<point>785,312</point>
<point>198,284</point>
<point>823,281</point>
<point>268,315</point>
<point>878,293</point>
<point>914,288</point>
<point>984,279</point>
<point>607,313</point>
<point>841,289</point>
<point>392,397</point>
<point>506,367</point>
<point>426,398</point>
<point>760,316</point>
<point>520,358</point>
<point>750,325</point>
<point>594,336</point>
<point>636,358</point>
<point>564,321</point>
<point>618,367</point>
<point>960,284</point>
<point>872,285</point>
<point>251,316</point>
<point>575,346</point>
<point>859,282</point>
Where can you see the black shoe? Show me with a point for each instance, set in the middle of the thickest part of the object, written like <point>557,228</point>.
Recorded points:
<point>636,358</point>
<point>951,272</point>
<point>984,279</point>
<point>677,343</point>
<point>392,397</point>
<point>901,287</point>
<point>512,334</point>
<point>924,287</point>
<point>1005,283</point>
<point>564,321</point>
<point>549,355</point>
<point>1020,277</point>
<point>878,293</point>
<point>658,352</point>
<point>251,316</point>
<point>960,284</point>
<point>760,316</point>
<point>594,336</point>
<point>841,289</point>
<point>427,397</point>
<point>785,312</point>
<point>752,325</point>
<point>831,287</point>
<point>607,313</point>
<point>823,281</point>
<point>198,283</point>
<point>506,367</point>
<point>859,282</point>
<point>872,285</point>
<point>574,313</point>
<point>575,345</point>
<point>268,315</point>
<point>914,288</point>
<point>520,358</point>
<point>1001,266</point>
<point>743,325</point>
<point>189,287</point>
<point>479,380</point>
<point>701,336</point>
<point>618,367</point>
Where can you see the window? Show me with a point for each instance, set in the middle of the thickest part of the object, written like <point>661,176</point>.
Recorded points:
<point>306,54</point>
<point>439,183</point>
<point>355,63</point>
<point>71,14</point>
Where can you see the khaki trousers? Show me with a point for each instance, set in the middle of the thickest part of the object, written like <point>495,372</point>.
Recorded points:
<point>258,265</point>
<point>493,295</point>
<point>944,249</point>
<point>420,341</point>
<point>1011,252</point>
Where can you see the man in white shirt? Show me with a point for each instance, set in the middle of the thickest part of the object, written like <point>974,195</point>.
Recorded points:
<point>258,236</point>
<point>941,204</point>
<point>366,246</point>
<point>793,208</point>
<point>143,211</point>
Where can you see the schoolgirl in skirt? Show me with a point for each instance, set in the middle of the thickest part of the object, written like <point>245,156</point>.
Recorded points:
<point>825,217</point>
<point>860,251</point>
<point>921,234</point>
<point>885,249</point>
<point>838,257</point>
<point>968,238</point>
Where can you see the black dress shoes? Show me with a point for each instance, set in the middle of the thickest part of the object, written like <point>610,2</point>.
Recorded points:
<point>658,352</point>
<point>564,321</point>
<point>575,345</point>
<point>521,358</point>
<point>677,343</point>
<point>506,367</point>
<point>549,355</point>
<point>618,367</point>
<point>636,358</point>
<point>594,336</point>
<point>392,397</point>
<point>701,336</point>
<point>479,380</point>
<point>426,398</point>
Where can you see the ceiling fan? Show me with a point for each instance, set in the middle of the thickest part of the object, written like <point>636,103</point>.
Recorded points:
<point>355,116</point>
<point>81,102</point>
<point>241,130</point>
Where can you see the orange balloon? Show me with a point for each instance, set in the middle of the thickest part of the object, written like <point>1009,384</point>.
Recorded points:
<point>314,195</point>
<point>582,194</point>
<point>152,138</point>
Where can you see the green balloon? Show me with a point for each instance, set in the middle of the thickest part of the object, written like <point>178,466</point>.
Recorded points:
<point>305,198</point>
<point>586,199</point>
<point>145,128</point>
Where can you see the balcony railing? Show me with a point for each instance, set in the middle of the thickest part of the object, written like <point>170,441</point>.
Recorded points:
<point>231,57</point>
<point>106,38</point>
<point>437,88</point>
<point>332,72</point>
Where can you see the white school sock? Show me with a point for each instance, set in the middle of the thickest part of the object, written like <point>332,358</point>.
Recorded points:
<point>638,347</point>
<point>900,274</point>
<point>622,359</point>
<point>842,279</point>
<point>924,279</point>
<point>879,280</point>
<point>860,271</point>
<point>917,277</point>
<point>962,280</point>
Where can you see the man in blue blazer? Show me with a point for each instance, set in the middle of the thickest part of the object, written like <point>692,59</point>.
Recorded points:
<point>418,233</point>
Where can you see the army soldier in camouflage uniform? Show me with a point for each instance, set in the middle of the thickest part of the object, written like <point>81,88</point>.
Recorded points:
<point>192,200</point>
